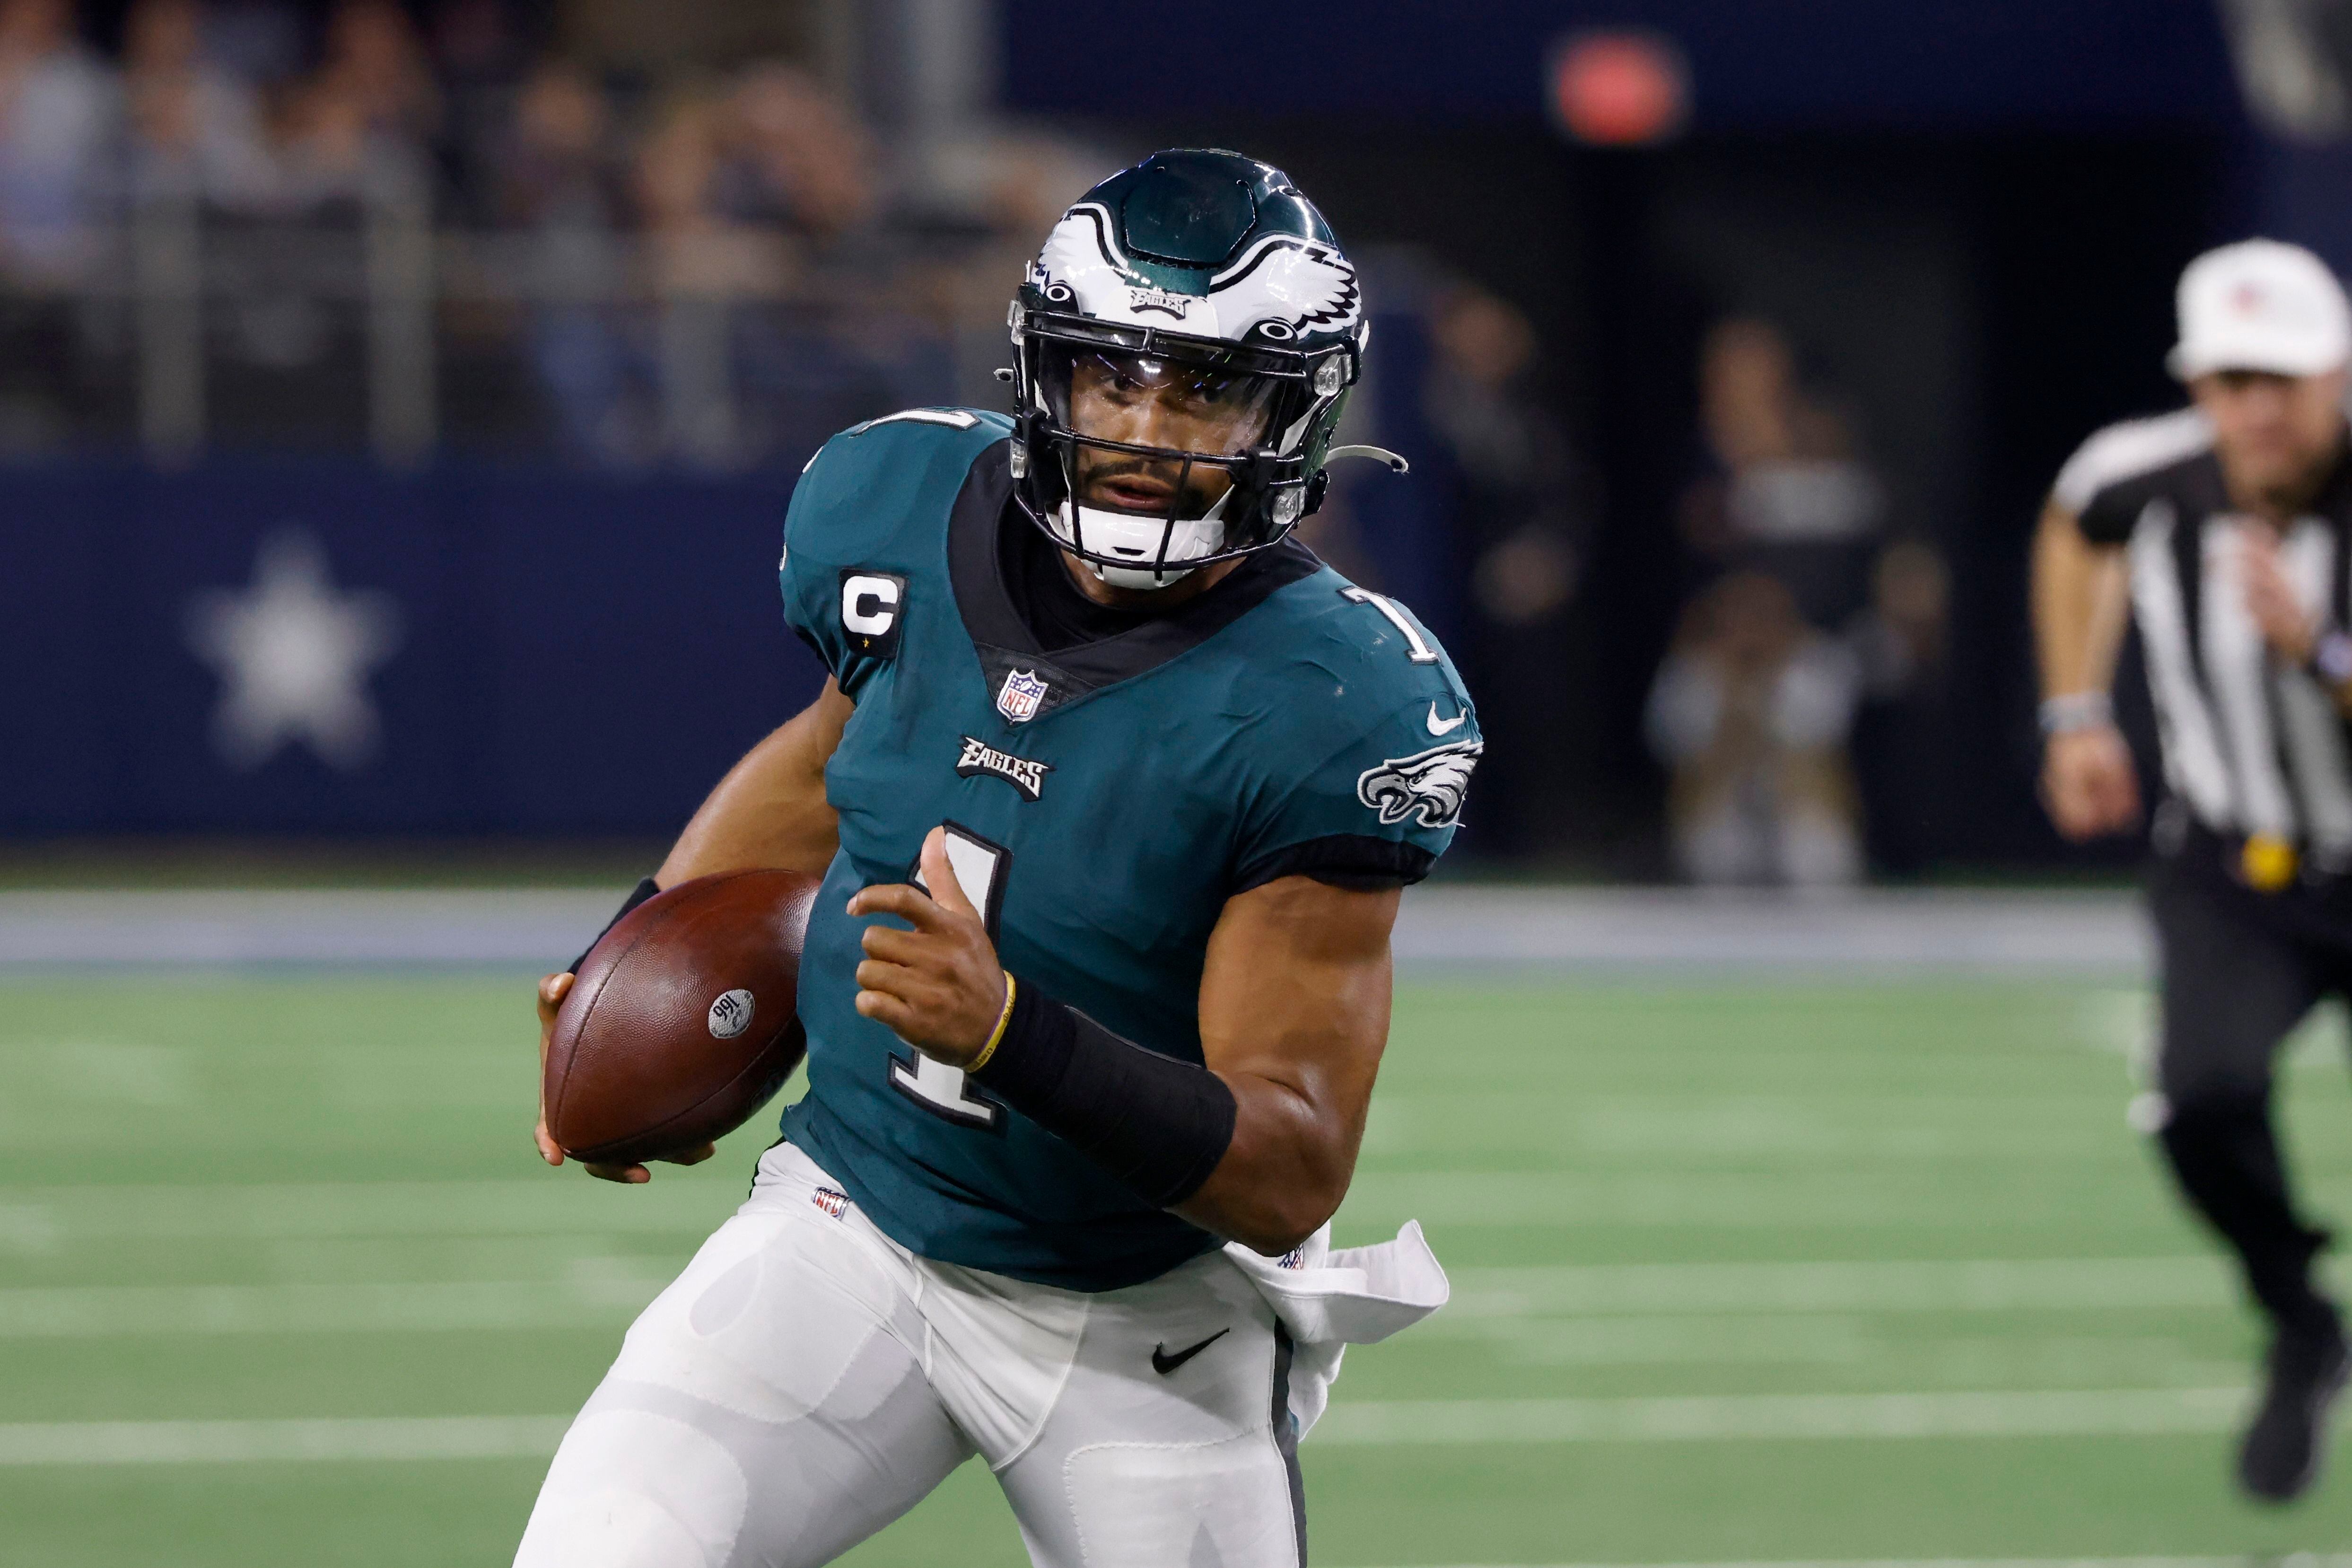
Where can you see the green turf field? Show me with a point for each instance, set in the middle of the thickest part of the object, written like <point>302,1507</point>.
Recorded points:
<point>1741,1273</point>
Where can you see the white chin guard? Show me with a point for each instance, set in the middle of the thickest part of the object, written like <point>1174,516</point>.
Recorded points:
<point>1120,533</point>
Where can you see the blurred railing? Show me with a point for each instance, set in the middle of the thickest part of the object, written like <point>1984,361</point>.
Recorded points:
<point>363,328</point>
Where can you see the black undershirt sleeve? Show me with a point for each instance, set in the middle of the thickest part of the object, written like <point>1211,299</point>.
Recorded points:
<point>1352,860</point>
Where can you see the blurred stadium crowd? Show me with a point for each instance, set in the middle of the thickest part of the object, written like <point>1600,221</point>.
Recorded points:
<point>1806,614</point>
<point>625,265</point>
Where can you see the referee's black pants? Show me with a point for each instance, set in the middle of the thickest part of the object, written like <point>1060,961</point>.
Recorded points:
<point>2240,970</point>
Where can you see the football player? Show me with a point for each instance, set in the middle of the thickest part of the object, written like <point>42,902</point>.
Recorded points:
<point>1113,787</point>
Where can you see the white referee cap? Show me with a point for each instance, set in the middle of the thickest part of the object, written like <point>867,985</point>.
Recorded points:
<point>2261,305</point>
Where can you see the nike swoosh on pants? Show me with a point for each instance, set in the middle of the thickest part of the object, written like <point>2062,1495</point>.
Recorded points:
<point>1163,1363</point>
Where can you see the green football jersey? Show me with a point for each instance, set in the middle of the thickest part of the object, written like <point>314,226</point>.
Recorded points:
<point>1102,803</point>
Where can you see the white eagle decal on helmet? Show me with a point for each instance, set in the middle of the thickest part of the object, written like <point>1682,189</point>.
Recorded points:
<point>1430,784</point>
<point>1282,286</point>
<point>1287,286</point>
<point>1081,260</point>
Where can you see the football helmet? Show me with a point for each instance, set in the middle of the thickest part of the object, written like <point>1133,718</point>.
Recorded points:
<point>1182,345</point>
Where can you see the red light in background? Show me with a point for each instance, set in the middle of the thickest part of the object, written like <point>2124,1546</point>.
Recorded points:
<point>1619,89</point>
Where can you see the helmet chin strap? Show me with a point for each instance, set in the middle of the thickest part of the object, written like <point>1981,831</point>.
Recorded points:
<point>1206,537</point>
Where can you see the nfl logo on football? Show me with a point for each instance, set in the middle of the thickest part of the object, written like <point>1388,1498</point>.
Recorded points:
<point>1023,694</point>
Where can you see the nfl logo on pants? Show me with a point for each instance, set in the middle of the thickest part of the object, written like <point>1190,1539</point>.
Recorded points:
<point>1022,696</point>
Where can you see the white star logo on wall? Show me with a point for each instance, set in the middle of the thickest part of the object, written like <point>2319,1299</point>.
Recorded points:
<point>294,655</point>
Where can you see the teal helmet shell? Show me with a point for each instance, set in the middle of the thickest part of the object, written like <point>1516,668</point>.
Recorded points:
<point>1211,259</point>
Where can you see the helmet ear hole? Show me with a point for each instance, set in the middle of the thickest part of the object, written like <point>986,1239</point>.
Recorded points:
<point>1316,488</point>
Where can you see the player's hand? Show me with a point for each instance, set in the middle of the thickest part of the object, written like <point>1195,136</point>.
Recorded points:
<point>2271,600</point>
<point>2088,784</point>
<point>938,986</point>
<point>552,989</point>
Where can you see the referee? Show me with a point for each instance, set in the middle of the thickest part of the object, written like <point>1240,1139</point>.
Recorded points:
<point>2226,529</point>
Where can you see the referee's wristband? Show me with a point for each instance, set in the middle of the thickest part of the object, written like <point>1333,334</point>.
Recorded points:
<point>1157,1124</point>
<point>2073,711</point>
<point>2331,657</point>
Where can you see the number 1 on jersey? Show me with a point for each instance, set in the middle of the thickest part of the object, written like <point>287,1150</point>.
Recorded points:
<point>1417,647</point>
<point>938,1088</point>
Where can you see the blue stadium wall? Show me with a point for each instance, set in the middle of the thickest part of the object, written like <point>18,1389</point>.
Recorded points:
<point>577,654</point>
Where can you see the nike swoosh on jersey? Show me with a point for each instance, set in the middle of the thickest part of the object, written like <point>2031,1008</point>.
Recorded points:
<point>1443,726</point>
<point>1163,1363</point>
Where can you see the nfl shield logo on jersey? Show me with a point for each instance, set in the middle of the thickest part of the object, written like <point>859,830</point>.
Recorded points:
<point>1022,696</point>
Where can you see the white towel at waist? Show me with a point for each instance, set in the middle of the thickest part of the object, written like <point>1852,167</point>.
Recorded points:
<point>1330,1299</point>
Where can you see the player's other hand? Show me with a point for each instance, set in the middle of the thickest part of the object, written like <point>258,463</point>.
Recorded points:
<point>552,989</point>
<point>2088,784</point>
<point>938,986</point>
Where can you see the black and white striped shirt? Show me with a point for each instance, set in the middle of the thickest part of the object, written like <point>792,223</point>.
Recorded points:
<point>2252,745</point>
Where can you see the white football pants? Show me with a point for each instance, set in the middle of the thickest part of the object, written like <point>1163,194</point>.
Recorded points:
<point>807,1380</point>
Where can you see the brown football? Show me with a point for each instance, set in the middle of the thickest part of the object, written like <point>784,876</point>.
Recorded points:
<point>683,1020</point>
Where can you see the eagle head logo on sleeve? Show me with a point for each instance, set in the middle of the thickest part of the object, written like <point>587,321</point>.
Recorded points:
<point>1428,784</point>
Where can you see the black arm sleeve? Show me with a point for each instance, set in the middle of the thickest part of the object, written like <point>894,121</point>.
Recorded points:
<point>1157,1124</point>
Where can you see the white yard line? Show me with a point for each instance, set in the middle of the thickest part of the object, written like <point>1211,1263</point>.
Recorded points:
<point>1910,1199</point>
<point>1865,931</point>
<point>101,1311</point>
<point>1888,932</point>
<point>1482,1297</point>
<point>33,1219</point>
<point>2050,1284</point>
<point>2292,1559</point>
<point>2090,1413</point>
<point>1775,1418</point>
<point>466,927</point>
<point>265,1442</point>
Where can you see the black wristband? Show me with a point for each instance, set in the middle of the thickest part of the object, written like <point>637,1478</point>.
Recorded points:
<point>1158,1124</point>
<point>644,890</point>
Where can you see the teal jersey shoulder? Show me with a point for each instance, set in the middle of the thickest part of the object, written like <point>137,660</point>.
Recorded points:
<point>865,499</point>
<point>1348,720</point>
<point>1103,803</point>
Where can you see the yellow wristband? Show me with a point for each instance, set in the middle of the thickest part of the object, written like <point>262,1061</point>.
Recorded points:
<point>997,1038</point>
